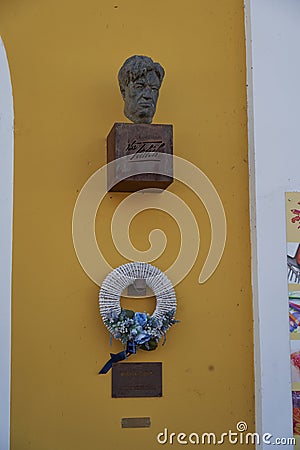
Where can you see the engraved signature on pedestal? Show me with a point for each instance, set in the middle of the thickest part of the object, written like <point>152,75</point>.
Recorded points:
<point>144,150</point>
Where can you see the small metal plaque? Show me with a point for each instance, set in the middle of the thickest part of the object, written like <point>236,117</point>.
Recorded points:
<point>136,422</point>
<point>137,379</point>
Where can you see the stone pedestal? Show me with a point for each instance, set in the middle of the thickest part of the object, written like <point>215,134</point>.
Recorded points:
<point>143,144</point>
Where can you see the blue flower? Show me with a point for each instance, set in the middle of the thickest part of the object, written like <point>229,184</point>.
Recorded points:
<point>142,338</point>
<point>140,318</point>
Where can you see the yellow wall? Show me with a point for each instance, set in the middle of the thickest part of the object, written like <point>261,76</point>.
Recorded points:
<point>64,57</point>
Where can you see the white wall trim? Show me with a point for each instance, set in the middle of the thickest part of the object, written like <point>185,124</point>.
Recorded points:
<point>273,67</point>
<point>253,233</point>
<point>6,225</point>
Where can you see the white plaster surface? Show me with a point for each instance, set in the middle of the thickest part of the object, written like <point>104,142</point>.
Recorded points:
<point>274,119</point>
<point>6,207</point>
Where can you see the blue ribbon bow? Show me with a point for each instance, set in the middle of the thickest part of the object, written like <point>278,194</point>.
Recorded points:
<point>117,357</point>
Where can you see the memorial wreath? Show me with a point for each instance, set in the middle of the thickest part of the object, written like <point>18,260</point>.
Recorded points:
<point>136,329</point>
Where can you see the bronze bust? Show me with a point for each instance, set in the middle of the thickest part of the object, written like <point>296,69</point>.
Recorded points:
<point>140,79</point>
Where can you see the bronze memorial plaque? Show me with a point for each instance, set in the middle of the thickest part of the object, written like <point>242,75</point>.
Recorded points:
<point>137,379</point>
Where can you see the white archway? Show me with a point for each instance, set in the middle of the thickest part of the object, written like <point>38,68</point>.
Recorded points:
<point>6,219</point>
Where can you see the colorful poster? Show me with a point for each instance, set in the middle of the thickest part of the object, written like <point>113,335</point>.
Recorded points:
<point>293,279</point>
<point>296,412</point>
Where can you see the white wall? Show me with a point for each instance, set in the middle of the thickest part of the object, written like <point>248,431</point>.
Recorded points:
<point>275,152</point>
<point>6,199</point>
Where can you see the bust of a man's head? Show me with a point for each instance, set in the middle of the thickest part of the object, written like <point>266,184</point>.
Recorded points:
<point>140,79</point>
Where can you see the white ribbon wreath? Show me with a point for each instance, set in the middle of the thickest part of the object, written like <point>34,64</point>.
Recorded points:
<point>121,277</point>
